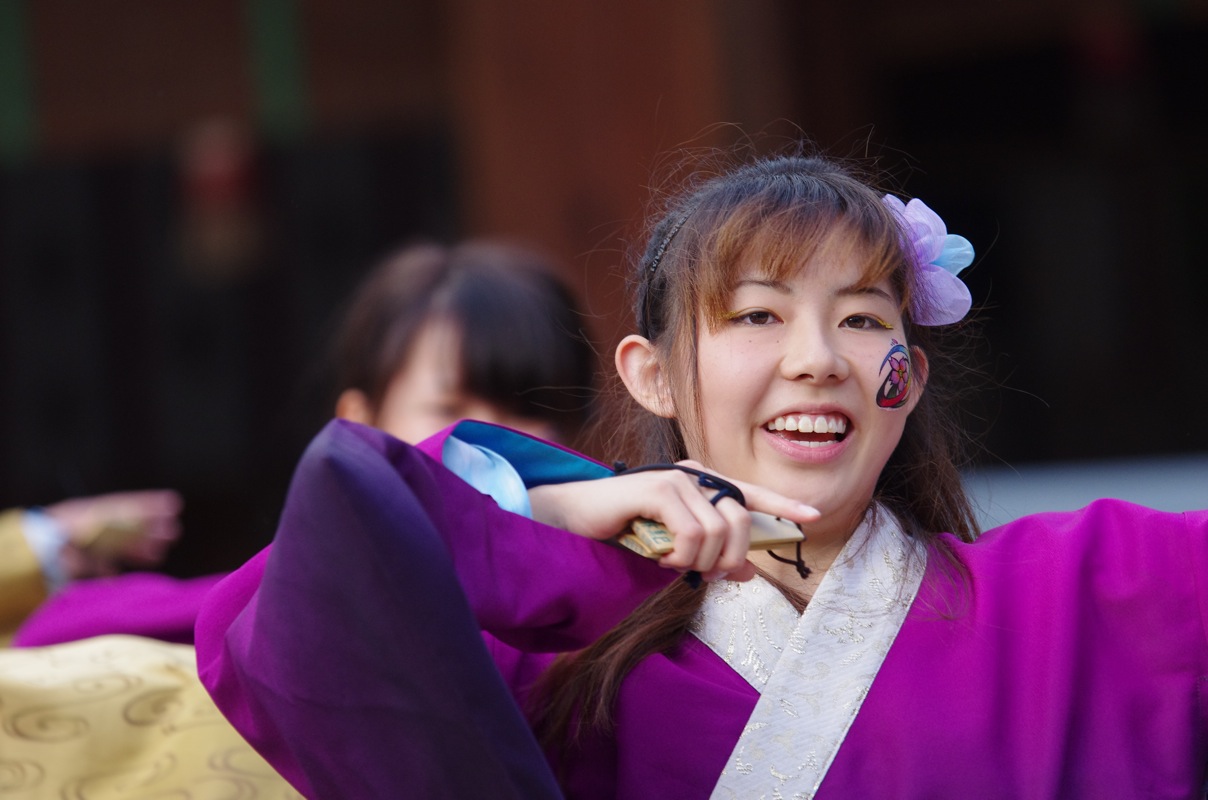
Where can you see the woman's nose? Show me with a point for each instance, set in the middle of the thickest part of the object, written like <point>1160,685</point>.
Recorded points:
<point>815,356</point>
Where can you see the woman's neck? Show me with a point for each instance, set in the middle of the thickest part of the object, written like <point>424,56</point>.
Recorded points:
<point>817,560</point>
<point>817,553</point>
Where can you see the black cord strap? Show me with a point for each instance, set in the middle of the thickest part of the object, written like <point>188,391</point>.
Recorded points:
<point>709,481</point>
<point>802,569</point>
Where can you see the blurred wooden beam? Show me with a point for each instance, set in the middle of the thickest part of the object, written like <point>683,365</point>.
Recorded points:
<point>561,111</point>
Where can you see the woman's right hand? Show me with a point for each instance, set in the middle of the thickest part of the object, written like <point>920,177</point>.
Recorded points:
<point>709,539</point>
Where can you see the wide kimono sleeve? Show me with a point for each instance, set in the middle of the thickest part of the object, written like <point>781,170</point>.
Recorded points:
<point>1067,659</point>
<point>136,603</point>
<point>350,653</point>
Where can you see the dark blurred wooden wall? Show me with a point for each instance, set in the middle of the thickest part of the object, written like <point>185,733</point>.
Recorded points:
<point>562,112</point>
<point>1048,132</point>
<point>557,112</point>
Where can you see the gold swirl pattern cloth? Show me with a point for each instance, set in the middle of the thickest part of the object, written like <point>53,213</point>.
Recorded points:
<point>120,717</point>
<point>22,587</point>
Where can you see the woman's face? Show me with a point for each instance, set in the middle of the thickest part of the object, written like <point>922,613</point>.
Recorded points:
<point>426,395</point>
<point>805,385</point>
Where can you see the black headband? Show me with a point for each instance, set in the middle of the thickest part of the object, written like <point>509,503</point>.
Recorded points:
<point>663,245</point>
<point>648,274</point>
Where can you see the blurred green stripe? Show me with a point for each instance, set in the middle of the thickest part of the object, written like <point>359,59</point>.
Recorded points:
<point>16,94</point>
<point>277,68</point>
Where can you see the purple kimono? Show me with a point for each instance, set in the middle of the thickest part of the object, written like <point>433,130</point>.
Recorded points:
<point>1061,656</point>
<point>137,603</point>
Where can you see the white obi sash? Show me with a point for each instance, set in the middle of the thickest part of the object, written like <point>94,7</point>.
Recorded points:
<point>813,670</point>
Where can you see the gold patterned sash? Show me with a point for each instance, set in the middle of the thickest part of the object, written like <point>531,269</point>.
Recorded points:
<point>120,717</point>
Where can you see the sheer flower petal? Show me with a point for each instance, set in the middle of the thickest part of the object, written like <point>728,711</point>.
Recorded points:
<point>940,298</point>
<point>926,231</point>
<point>956,254</point>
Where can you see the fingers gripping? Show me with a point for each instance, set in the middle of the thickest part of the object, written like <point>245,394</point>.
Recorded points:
<point>707,539</point>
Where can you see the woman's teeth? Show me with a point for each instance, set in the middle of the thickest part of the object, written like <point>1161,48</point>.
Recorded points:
<point>805,423</point>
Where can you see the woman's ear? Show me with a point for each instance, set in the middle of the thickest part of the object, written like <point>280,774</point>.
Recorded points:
<point>919,368</point>
<point>354,406</point>
<point>642,374</point>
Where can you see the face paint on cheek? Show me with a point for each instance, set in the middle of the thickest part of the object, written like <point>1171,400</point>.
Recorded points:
<point>895,388</point>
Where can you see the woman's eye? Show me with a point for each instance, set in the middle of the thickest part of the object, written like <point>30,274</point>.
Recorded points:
<point>866,322</point>
<point>756,318</point>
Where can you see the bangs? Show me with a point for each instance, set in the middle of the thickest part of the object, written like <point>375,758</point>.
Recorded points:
<point>520,350</point>
<point>783,242</point>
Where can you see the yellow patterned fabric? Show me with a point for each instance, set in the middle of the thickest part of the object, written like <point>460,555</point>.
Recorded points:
<point>120,717</point>
<point>22,587</point>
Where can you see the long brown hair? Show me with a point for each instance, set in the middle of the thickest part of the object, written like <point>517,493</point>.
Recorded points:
<point>791,208</point>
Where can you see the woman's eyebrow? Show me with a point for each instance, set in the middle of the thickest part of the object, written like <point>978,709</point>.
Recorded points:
<point>775,285</point>
<point>856,290</point>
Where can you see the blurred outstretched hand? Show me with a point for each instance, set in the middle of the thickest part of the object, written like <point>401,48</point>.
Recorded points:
<point>123,529</point>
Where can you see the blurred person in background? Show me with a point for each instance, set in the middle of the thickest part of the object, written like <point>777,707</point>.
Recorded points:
<point>481,330</point>
<point>101,696</point>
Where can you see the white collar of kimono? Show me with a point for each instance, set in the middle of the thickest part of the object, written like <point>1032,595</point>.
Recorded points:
<point>812,670</point>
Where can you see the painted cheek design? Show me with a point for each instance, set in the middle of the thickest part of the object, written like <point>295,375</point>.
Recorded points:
<point>895,389</point>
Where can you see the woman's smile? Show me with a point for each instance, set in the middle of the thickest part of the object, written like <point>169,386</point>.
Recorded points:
<point>811,429</point>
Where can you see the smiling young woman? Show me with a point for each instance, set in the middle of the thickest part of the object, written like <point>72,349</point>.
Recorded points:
<point>787,360</point>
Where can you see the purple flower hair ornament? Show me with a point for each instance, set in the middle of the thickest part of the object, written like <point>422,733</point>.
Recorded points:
<point>939,296</point>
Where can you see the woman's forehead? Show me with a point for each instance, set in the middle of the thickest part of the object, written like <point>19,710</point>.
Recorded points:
<point>820,276</point>
<point>838,257</point>
<point>436,353</point>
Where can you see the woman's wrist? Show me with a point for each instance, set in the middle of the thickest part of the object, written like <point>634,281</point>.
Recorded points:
<point>547,505</point>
